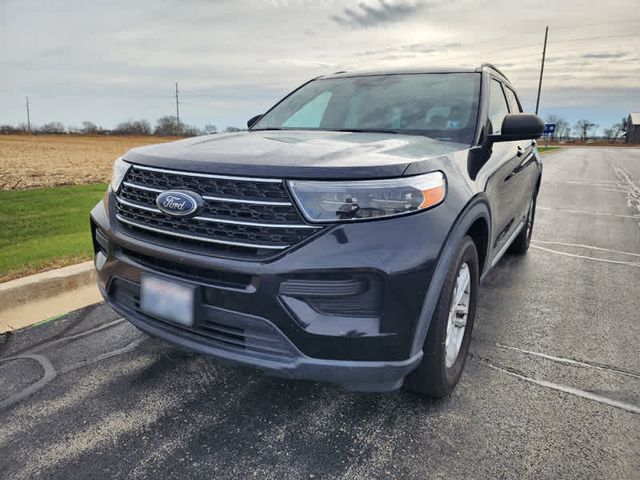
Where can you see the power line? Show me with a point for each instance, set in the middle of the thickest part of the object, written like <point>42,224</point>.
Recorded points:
<point>602,37</point>
<point>532,45</point>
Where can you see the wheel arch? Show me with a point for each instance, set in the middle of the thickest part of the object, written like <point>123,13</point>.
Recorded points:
<point>479,233</point>
<point>475,221</point>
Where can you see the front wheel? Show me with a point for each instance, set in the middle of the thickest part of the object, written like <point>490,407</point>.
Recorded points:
<point>447,343</point>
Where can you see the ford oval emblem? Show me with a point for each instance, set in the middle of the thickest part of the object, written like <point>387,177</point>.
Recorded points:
<point>179,203</point>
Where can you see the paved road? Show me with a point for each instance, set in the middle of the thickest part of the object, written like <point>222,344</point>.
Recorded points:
<point>552,389</point>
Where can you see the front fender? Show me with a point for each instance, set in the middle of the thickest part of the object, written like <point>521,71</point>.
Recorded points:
<point>477,208</point>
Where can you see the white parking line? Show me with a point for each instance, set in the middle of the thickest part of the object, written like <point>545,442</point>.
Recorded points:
<point>581,180</point>
<point>113,353</point>
<point>567,361</point>
<point>584,212</point>
<point>590,247</point>
<point>48,374</point>
<point>629,407</point>
<point>609,187</point>
<point>80,334</point>
<point>557,252</point>
<point>613,190</point>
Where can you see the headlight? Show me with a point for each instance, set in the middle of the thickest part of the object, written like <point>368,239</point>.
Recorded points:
<point>367,199</point>
<point>120,168</point>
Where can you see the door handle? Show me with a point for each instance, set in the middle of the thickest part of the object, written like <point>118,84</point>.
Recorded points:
<point>519,151</point>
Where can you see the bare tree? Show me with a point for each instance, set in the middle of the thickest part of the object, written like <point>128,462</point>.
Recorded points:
<point>167,126</point>
<point>583,128</point>
<point>89,128</point>
<point>190,131</point>
<point>562,127</point>
<point>616,130</point>
<point>52,127</point>
<point>210,129</point>
<point>9,129</point>
<point>133,127</point>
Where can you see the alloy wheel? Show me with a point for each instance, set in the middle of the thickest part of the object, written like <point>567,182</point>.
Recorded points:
<point>458,314</point>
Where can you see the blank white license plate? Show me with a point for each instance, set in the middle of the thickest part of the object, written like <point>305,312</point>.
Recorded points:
<point>167,300</point>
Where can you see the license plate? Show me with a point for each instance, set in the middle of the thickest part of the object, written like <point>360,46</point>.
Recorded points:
<point>167,300</point>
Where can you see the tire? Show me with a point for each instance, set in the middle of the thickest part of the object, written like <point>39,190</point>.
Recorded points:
<point>521,244</point>
<point>437,375</point>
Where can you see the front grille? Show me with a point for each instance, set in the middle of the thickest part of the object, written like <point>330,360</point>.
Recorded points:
<point>248,216</point>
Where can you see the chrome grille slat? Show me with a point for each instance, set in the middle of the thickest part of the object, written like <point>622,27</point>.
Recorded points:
<point>245,215</point>
<point>220,220</point>
<point>216,199</point>
<point>200,239</point>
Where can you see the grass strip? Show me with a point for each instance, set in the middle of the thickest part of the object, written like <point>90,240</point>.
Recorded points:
<point>45,228</point>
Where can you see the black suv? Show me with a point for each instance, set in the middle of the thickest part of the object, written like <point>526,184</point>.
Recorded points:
<point>341,238</point>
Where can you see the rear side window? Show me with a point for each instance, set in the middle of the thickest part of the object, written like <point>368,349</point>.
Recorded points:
<point>497,106</point>
<point>514,106</point>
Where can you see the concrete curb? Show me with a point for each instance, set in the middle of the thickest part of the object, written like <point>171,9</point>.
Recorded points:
<point>46,284</point>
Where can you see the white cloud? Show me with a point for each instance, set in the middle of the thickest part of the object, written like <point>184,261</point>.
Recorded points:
<point>109,61</point>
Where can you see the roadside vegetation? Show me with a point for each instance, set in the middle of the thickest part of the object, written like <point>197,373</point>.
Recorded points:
<point>547,149</point>
<point>584,131</point>
<point>167,126</point>
<point>45,228</point>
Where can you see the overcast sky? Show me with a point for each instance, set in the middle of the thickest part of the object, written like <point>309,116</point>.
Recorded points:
<point>108,61</point>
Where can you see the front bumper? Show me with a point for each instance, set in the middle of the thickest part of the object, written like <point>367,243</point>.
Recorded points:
<point>342,307</point>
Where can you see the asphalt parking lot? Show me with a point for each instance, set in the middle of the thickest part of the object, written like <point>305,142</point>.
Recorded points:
<point>551,390</point>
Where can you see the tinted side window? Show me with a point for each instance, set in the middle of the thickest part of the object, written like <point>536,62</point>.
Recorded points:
<point>514,106</point>
<point>497,106</point>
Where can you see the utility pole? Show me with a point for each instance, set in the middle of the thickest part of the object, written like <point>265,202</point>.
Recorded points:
<point>177,112</point>
<point>28,117</point>
<point>544,53</point>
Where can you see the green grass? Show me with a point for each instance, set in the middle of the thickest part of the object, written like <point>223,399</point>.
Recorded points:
<point>547,149</point>
<point>45,228</point>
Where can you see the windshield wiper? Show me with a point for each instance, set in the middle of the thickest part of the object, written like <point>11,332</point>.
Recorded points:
<point>364,130</point>
<point>347,130</point>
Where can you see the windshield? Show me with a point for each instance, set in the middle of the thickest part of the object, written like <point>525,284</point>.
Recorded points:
<point>439,105</point>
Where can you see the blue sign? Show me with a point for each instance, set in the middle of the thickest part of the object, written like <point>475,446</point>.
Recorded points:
<point>549,128</point>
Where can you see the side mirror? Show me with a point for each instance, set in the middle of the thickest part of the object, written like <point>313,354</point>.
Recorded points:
<point>253,120</point>
<point>519,126</point>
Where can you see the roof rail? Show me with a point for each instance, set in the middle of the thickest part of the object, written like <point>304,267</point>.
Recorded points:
<point>494,68</point>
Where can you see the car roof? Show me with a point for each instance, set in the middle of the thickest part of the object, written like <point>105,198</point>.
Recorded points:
<point>412,70</point>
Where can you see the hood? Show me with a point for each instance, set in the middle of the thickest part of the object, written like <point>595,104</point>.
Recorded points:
<point>297,154</point>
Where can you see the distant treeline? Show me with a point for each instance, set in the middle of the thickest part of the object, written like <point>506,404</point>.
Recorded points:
<point>164,127</point>
<point>169,126</point>
<point>584,130</point>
